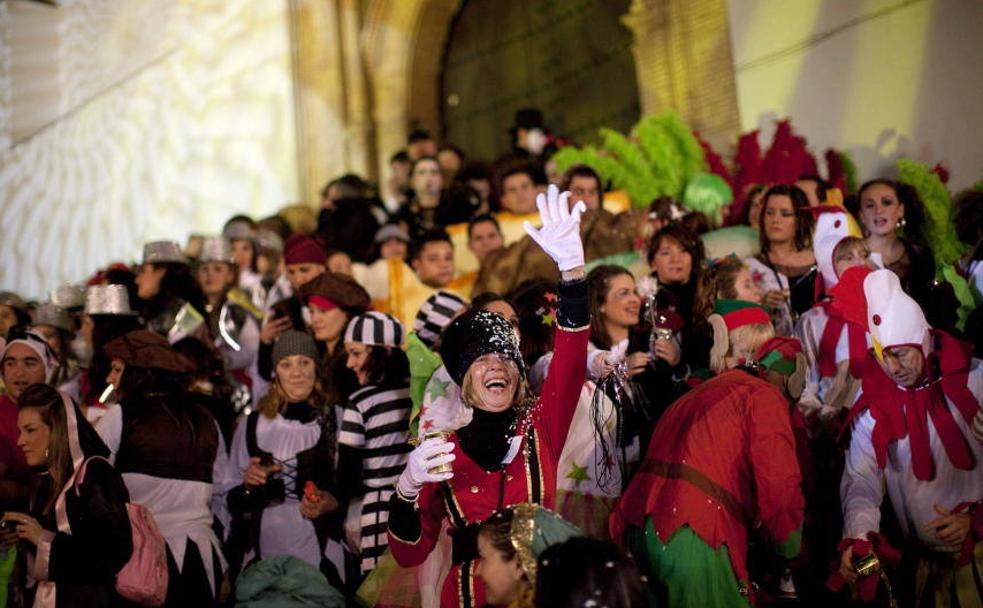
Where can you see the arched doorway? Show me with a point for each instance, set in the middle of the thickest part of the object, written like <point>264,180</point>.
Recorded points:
<point>571,59</point>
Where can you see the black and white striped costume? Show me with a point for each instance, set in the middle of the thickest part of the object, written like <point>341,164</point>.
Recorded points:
<point>435,314</point>
<point>376,422</point>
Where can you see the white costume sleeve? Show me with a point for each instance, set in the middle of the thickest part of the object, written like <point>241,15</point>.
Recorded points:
<point>235,465</point>
<point>809,402</point>
<point>110,429</point>
<point>975,384</point>
<point>219,491</point>
<point>862,486</point>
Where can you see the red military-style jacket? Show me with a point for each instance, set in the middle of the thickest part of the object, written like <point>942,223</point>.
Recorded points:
<point>472,495</point>
<point>721,460</point>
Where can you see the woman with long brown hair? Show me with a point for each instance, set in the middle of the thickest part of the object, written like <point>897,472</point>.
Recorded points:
<point>281,472</point>
<point>77,532</point>
<point>786,267</point>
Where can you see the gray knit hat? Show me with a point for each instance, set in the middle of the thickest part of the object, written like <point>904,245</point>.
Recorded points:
<point>293,342</point>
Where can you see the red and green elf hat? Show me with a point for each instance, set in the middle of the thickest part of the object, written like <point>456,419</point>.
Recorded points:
<point>778,354</point>
<point>737,313</point>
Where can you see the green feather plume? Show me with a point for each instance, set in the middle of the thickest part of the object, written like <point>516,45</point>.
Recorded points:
<point>659,158</point>
<point>938,210</point>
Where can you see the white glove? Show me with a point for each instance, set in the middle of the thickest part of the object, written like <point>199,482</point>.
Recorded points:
<point>602,362</point>
<point>560,235</point>
<point>428,455</point>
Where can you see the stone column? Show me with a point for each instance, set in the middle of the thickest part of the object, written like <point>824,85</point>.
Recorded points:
<point>683,62</point>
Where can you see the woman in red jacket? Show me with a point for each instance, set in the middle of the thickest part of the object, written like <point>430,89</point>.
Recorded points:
<point>507,454</point>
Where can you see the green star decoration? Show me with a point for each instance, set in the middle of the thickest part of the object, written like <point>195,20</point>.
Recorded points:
<point>578,473</point>
<point>548,319</point>
<point>437,388</point>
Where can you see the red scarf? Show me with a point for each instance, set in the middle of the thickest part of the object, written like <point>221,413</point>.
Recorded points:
<point>856,339</point>
<point>899,412</point>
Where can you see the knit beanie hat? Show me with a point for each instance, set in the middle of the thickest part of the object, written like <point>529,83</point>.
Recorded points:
<point>375,329</point>
<point>35,342</point>
<point>435,314</point>
<point>477,333</point>
<point>302,249</point>
<point>293,342</point>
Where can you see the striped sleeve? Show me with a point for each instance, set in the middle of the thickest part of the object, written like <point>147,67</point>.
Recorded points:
<point>385,412</point>
<point>352,425</point>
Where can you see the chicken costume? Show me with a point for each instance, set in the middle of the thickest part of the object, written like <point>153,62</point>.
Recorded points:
<point>915,444</point>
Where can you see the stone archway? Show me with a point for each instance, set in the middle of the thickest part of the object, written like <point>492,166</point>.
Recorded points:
<point>368,72</point>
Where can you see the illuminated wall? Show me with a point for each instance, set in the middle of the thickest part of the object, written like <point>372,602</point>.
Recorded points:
<point>879,78</point>
<point>122,121</point>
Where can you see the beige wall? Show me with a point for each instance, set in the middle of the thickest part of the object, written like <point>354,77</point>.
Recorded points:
<point>879,78</point>
<point>122,121</point>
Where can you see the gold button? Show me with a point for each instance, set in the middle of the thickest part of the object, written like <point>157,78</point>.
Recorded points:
<point>474,489</point>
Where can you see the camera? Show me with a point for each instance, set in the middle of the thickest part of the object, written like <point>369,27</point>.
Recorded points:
<point>7,525</point>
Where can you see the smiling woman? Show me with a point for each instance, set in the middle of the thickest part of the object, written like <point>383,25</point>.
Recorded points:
<point>78,540</point>
<point>509,451</point>
<point>375,428</point>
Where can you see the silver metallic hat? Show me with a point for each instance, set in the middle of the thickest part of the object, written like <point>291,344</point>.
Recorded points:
<point>12,300</point>
<point>269,240</point>
<point>238,230</point>
<point>216,249</point>
<point>49,314</point>
<point>107,300</point>
<point>158,252</point>
<point>68,296</point>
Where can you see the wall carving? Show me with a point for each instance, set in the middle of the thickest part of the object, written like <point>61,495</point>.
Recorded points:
<point>190,122</point>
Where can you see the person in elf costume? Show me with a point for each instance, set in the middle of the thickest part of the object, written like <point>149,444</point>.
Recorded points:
<point>508,453</point>
<point>689,510</point>
<point>911,437</point>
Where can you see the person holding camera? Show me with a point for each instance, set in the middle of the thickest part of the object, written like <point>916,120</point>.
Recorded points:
<point>281,467</point>
<point>76,535</point>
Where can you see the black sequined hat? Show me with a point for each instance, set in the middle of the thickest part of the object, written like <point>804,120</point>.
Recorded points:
<point>477,333</point>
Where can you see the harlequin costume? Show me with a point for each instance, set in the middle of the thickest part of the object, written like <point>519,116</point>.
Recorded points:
<point>916,444</point>
<point>491,470</point>
<point>689,509</point>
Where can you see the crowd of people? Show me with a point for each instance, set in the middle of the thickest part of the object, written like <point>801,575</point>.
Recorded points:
<point>489,384</point>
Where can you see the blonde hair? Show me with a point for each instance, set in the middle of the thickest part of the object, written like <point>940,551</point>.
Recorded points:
<point>740,343</point>
<point>522,396</point>
<point>276,399</point>
<point>847,245</point>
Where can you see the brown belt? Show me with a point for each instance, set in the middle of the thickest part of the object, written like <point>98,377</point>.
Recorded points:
<point>684,472</point>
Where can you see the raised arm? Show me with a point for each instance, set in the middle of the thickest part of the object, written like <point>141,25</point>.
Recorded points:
<point>559,237</point>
